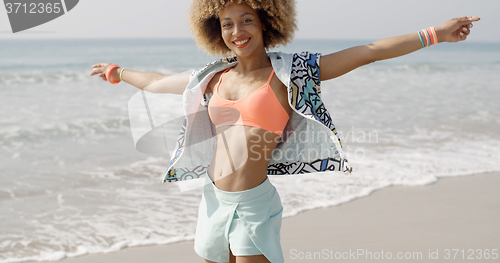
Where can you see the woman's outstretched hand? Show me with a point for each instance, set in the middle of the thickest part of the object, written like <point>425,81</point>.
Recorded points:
<point>456,29</point>
<point>101,70</point>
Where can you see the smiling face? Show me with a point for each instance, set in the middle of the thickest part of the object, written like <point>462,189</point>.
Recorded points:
<point>242,30</point>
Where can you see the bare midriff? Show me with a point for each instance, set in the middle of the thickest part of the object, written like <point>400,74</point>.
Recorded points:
<point>241,158</point>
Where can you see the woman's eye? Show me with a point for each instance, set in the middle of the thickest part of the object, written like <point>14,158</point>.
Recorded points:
<point>247,20</point>
<point>226,25</point>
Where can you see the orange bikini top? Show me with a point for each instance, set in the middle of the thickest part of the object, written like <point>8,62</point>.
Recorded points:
<point>261,109</point>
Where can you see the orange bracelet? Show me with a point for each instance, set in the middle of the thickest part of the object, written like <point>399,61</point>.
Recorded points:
<point>433,30</point>
<point>430,36</point>
<point>108,71</point>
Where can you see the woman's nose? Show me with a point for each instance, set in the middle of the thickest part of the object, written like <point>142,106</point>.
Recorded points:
<point>237,30</point>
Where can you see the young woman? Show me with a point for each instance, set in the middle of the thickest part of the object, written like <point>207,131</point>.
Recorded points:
<point>252,105</point>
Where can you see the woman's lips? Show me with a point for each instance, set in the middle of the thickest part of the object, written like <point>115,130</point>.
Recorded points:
<point>241,42</point>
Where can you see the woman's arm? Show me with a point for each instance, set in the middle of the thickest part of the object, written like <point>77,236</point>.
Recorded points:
<point>155,82</point>
<point>175,84</point>
<point>148,81</point>
<point>339,63</point>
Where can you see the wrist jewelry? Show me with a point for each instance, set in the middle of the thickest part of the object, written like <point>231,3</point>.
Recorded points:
<point>433,30</point>
<point>121,71</point>
<point>421,40</point>
<point>108,71</point>
<point>428,37</point>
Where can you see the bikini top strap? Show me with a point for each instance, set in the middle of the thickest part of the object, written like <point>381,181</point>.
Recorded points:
<point>220,78</point>
<point>270,77</point>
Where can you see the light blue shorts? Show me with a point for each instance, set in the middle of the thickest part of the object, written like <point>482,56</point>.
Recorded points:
<point>247,222</point>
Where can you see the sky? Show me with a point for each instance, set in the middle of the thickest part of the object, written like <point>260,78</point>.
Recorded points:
<point>325,19</point>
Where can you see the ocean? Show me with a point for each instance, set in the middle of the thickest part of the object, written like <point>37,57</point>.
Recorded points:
<point>72,182</point>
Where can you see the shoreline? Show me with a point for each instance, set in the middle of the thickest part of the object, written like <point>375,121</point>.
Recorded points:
<point>418,221</point>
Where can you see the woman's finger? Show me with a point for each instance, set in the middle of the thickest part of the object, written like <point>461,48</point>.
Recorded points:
<point>468,18</point>
<point>462,36</point>
<point>95,71</point>
<point>465,21</point>
<point>473,18</point>
<point>466,30</point>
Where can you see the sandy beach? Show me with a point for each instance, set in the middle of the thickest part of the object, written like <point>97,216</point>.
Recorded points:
<point>450,221</point>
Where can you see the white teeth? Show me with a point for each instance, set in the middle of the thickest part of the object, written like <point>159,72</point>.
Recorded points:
<point>239,43</point>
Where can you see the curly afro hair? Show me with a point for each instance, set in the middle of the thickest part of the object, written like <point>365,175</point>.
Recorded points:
<point>277,16</point>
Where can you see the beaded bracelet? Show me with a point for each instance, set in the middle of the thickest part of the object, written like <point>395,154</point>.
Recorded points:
<point>428,37</point>
<point>108,71</point>
<point>121,71</point>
